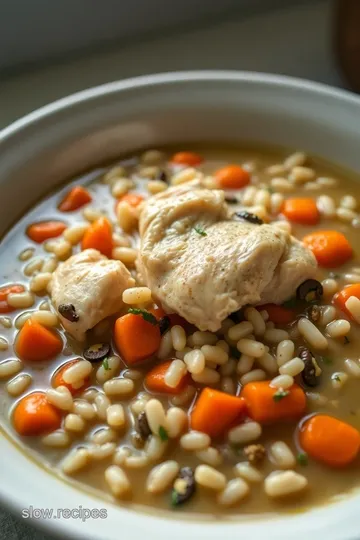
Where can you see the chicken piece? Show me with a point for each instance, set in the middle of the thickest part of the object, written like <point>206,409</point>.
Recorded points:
<point>204,265</point>
<point>87,288</point>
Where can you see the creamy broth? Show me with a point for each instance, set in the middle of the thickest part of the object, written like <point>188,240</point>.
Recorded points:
<point>325,483</point>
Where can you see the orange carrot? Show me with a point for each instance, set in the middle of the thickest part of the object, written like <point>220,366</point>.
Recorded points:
<point>99,236</point>
<point>75,199</point>
<point>330,248</point>
<point>215,411</point>
<point>58,379</point>
<point>158,312</point>
<point>232,177</point>
<point>343,296</point>
<point>155,380</point>
<point>135,338</point>
<point>39,232</point>
<point>133,199</point>
<point>4,292</point>
<point>35,343</point>
<point>268,405</point>
<point>302,211</point>
<point>186,158</point>
<point>329,440</point>
<point>278,314</point>
<point>34,415</point>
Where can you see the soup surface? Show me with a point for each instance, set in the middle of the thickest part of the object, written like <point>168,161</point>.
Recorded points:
<point>257,411</point>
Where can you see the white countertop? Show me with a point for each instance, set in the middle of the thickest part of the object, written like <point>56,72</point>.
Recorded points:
<point>293,41</point>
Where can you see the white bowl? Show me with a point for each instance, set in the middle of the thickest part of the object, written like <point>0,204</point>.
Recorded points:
<point>75,133</point>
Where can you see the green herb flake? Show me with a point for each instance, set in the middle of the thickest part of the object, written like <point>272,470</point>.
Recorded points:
<point>163,434</point>
<point>346,340</point>
<point>174,498</point>
<point>200,231</point>
<point>146,315</point>
<point>328,361</point>
<point>270,190</point>
<point>105,364</point>
<point>302,459</point>
<point>291,303</point>
<point>280,394</point>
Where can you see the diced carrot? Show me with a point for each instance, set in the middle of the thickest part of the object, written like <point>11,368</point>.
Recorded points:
<point>158,312</point>
<point>302,211</point>
<point>58,379</point>
<point>155,380</point>
<point>265,404</point>
<point>278,314</point>
<point>343,296</point>
<point>99,236</point>
<point>135,338</point>
<point>175,319</point>
<point>36,343</point>
<point>232,177</point>
<point>330,248</point>
<point>133,199</point>
<point>39,232</point>
<point>4,292</point>
<point>330,440</point>
<point>214,411</point>
<point>34,415</point>
<point>77,197</point>
<point>187,158</point>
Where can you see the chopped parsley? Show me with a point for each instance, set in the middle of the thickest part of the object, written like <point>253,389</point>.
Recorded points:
<point>105,364</point>
<point>302,458</point>
<point>280,394</point>
<point>163,434</point>
<point>328,361</point>
<point>291,303</point>
<point>346,340</point>
<point>270,190</point>
<point>146,315</point>
<point>200,231</point>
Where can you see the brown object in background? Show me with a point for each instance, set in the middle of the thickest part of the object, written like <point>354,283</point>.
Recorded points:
<point>347,41</point>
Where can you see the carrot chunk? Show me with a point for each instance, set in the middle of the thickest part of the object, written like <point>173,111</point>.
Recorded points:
<point>186,158</point>
<point>329,440</point>
<point>215,411</point>
<point>232,177</point>
<point>267,405</point>
<point>39,232</point>
<point>330,248</point>
<point>34,415</point>
<point>135,338</point>
<point>4,292</point>
<point>77,197</point>
<point>343,296</point>
<point>302,211</point>
<point>36,343</point>
<point>99,236</point>
<point>58,378</point>
<point>155,380</point>
<point>132,199</point>
<point>278,314</point>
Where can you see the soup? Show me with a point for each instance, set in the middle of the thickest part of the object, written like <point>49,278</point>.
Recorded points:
<point>204,360</point>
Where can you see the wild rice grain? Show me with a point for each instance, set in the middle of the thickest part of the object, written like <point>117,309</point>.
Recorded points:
<point>74,422</point>
<point>330,287</point>
<point>155,448</point>
<point>292,368</point>
<point>77,372</point>
<point>284,352</point>
<point>20,300</point>
<point>345,215</point>
<point>4,345</point>
<point>84,409</point>
<point>45,318</point>
<point>281,484</point>
<point>57,439</point>
<point>301,175</point>
<point>6,322</point>
<point>195,361</point>
<point>275,335</point>
<point>136,295</point>
<point>296,159</point>
<point>210,456</point>
<point>229,368</point>
<point>162,476</point>
<point>215,354</point>
<point>113,365</point>
<point>328,314</point>
<point>195,441</point>
<point>251,348</point>
<point>312,335</point>
<point>235,490</point>
<point>204,338</point>
<point>207,376</point>
<point>185,397</point>
<point>33,266</point>
<point>104,451</point>
<point>258,323</point>
<point>136,462</point>
<point>245,364</point>
<point>18,385</point>
<point>21,319</point>
<point>121,454</point>
<point>253,376</point>
<point>155,415</point>
<point>126,255</point>
<point>228,386</point>
<point>349,202</point>
<point>115,416</point>
<point>338,379</point>
<point>26,254</point>
<point>176,421</point>
<point>175,372</point>
<point>245,433</point>
<point>210,478</point>
<point>240,330</point>
<point>75,234</point>
<point>104,435</point>
<point>282,382</point>
<point>60,397</point>
<point>102,403</point>
<point>353,306</point>
<point>117,481</point>
<point>268,363</point>
<point>352,368</point>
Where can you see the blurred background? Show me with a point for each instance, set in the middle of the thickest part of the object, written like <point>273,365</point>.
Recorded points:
<point>51,49</point>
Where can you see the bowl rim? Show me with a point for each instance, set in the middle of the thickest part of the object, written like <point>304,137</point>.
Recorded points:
<point>17,500</point>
